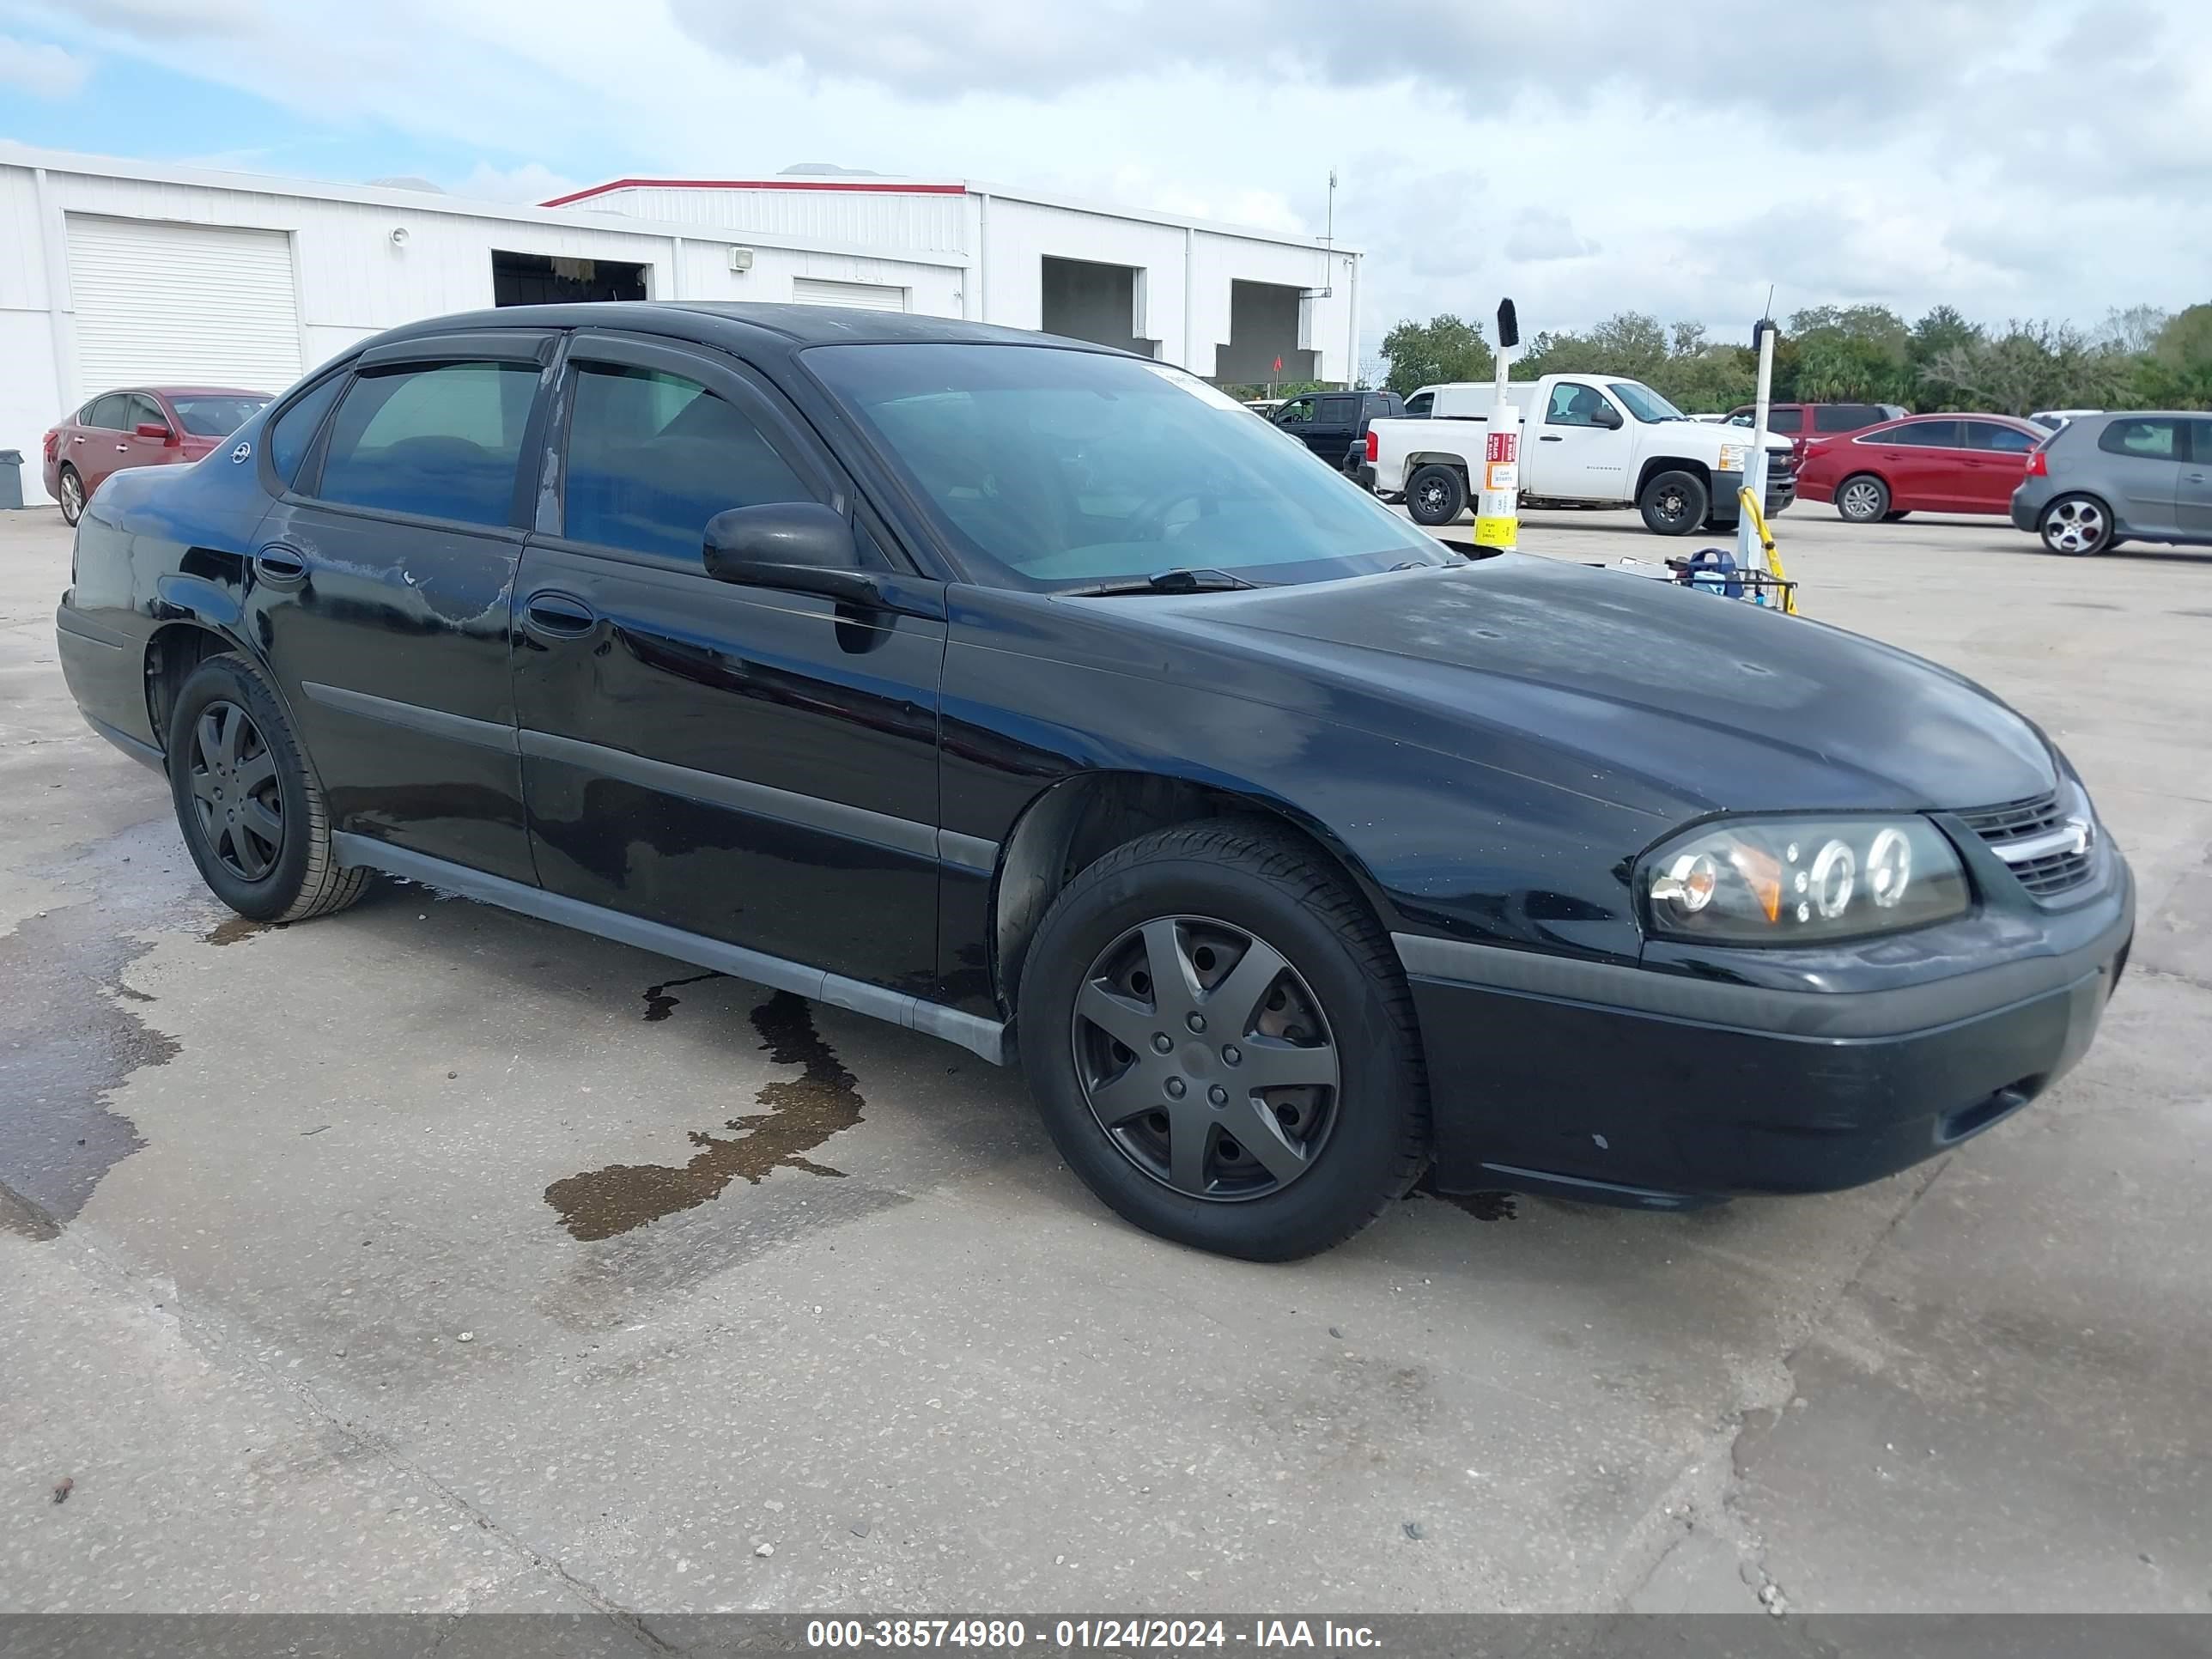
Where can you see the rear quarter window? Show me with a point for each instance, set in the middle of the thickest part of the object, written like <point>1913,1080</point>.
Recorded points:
<point>2148,440</point>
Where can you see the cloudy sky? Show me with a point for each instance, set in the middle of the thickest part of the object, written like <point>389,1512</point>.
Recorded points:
<point>2046,158</point>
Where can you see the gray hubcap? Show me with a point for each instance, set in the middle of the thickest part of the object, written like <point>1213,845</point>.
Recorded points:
<point>1860,499</point>
<point>1205,1058</point>
<point>234,792</point>
<point>72,494</point>
<point>2074,527</point>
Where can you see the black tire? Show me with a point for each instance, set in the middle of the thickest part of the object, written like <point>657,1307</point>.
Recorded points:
<point>1895,517</point>
<point>1369,1134</point>
<point>2076,527</point>
<point>1863,499</point>
<point>1435,495</point>
<point>1675,503</point>
<point>252,812</point>
<point>71,485</point>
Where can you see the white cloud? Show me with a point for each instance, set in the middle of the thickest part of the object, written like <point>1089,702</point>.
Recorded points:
<point>1905,151</point>
<point>533,181</point>
<point>42,68</point>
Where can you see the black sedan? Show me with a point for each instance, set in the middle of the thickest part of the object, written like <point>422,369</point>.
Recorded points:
<point>1035,697</point>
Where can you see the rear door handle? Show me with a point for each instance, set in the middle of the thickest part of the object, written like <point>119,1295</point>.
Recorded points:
<point>122,449</point>
<point>558,616</point>
<point>280,566</point>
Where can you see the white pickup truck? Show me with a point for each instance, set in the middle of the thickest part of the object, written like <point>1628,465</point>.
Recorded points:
<point>1586,440</point>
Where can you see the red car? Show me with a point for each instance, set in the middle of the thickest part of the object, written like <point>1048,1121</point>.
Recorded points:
<point>145,426</point>
<point>1922,464</point>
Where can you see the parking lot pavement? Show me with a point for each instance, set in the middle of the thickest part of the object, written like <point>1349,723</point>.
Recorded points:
<point>430,1257</point>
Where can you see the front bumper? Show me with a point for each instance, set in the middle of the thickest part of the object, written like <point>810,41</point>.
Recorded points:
<point>1728,488</point>
<point>1622,1086</point>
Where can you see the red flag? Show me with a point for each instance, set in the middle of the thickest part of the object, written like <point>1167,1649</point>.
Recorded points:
<point>1279,365</point>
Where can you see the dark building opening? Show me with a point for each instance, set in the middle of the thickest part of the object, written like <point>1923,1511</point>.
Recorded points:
<point>538,279</point>
<point>1094,302</point>
<point>1263,328</point>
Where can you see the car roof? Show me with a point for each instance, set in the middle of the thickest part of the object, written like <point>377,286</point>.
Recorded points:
<point>180,392</point>
<point>1960,415</point>
<point>730,322</point>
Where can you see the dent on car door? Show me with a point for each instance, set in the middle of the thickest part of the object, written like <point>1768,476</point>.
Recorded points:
<point>381,583</point>
<point>752,764</point>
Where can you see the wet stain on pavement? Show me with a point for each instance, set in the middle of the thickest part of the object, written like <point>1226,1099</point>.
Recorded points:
<point>230,929</point>
<point>69,1032</point>
<point>659,1005</point>
<point>802,1113</point>
<point>20,1216</point>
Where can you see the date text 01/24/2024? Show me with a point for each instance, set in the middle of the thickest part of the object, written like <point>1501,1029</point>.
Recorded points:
<point>1010,1635</point>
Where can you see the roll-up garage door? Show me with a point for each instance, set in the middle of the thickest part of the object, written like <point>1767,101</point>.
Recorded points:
<point>182,305</point>
<point>867,296</point>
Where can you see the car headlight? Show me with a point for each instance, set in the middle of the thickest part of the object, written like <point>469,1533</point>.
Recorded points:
<point>1797,881</point>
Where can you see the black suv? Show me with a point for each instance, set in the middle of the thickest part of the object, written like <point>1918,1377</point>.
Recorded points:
<point>1331,424</point>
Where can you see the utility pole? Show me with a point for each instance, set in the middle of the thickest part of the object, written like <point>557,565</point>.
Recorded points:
<point>1749,554</point>
<point>1497,513</point>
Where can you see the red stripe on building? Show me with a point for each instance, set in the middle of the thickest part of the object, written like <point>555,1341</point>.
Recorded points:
<point>867,186</point>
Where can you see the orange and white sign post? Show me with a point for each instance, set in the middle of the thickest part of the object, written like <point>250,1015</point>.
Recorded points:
<point>1498,505</point>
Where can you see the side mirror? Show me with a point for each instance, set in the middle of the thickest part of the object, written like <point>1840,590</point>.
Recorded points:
<point>153,429</point>
<point>1606,414</point>
<point>799,547</point>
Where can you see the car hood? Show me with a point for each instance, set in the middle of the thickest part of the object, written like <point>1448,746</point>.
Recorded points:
<point>1636,690</point>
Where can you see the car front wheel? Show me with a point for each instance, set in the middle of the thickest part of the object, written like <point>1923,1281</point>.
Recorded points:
<point>1222,1044</point>
<point>2077,524</point>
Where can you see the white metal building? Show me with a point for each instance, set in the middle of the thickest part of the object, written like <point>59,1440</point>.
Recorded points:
<point>116,273</point>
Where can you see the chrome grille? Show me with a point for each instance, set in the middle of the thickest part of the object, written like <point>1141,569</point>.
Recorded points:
<point>2007,828</point>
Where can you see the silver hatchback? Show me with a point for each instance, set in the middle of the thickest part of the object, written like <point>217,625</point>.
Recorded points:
<point>2139,475</point>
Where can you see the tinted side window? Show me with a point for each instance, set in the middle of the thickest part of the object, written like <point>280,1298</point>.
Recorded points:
<point>2154,440</point>
<point>1416,408</point>
<point>652,457</point>
<point>2201,437</point>
<point>291,433</point>
<point>441,440</point>
<point>1573,405</point>
<point>1339,411</point>
<point>1988,434</point>
<point>142,411</point>
<point>107,412</point>
<point>1844,417</point>
<point>1791,419</point>
<point>1928,434</point>
<point>1297,413</point>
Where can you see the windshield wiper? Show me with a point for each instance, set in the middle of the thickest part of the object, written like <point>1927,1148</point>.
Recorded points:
<point>1165,581</point>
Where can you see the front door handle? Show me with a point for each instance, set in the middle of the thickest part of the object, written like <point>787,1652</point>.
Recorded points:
<point>1549,438</point>
<point>558,616</point>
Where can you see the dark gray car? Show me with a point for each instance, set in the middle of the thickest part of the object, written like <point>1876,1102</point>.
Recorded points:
<point>2141,475</point>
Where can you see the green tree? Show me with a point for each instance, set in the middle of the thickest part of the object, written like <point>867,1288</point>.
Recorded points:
<point>1441,349</point>
<point>2177,372</point>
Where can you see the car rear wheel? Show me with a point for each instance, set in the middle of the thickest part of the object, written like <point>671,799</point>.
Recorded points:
<point>71,488</point>
<point>253,814</point>
<point>1675,503</point>
<point>1435,494</point>
<point>1863,499</point>
<point>2076,525</point>
<point>1222,1044</point>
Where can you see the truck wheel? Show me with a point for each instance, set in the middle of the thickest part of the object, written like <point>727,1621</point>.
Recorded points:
<point>252,812</point>
<point>1863,499</point>
<point>1675,503</point>
<point>1222,1044</point>
<point>1435,494</point>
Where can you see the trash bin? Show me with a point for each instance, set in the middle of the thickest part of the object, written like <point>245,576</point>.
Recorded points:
<point>11,478</point>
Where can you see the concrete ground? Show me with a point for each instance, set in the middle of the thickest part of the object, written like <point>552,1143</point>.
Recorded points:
<point>342,1267</point>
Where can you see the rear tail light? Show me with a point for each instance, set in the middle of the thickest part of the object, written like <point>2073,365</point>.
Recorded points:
<point>52,442</point>
<point>2036,466</point>
<point>1374,447</point>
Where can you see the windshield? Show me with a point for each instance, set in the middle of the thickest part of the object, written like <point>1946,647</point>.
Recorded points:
<point>216,418</point>
<point>1644,403</point>
<point>1048,468</point>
